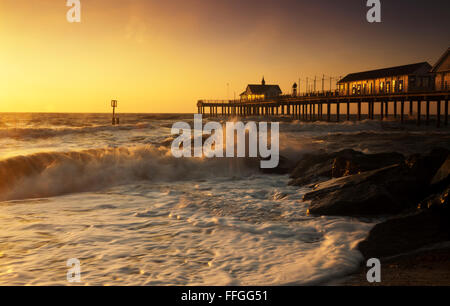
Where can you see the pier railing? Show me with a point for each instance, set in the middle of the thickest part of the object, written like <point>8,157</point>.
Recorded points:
<point>310,107</point>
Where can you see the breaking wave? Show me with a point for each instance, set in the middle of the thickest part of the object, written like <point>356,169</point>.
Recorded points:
<point>56,173</point>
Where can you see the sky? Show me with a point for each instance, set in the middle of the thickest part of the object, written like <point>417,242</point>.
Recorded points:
<point>158,56</point>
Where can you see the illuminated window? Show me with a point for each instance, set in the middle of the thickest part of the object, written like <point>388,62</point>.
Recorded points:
<point>400,85</point>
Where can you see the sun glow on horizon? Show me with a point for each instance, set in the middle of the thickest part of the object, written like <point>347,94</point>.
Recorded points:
<point>159,57</point>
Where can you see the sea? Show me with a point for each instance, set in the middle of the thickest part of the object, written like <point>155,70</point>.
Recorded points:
<point>72,186</point>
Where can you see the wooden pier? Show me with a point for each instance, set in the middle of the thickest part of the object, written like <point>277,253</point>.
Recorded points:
<point>327,107</point>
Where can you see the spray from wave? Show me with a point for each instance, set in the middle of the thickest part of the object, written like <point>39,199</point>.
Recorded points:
<point>51,174</point>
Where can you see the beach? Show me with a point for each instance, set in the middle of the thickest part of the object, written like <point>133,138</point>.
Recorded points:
<point>422,268</point>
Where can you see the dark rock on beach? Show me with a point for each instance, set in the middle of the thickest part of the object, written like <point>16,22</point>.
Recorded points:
<point>414,248</point>
<point>426,167</point>
<point>442,176</point>
<point>313,168</point>
<point>379,192</point>
<point>405,234</point>
<point>384,191</point>
<point>412,194</point>
<point>350,162</point>
<point>429,225</point>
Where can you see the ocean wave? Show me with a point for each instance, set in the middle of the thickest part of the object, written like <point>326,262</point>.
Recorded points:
<point>56,173</point>
<point>49,132</point>
<point>341,127</point>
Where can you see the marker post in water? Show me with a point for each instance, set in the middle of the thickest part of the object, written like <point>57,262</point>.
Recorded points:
<point>114,119</point>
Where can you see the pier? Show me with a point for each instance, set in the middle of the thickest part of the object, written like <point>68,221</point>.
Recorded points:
<point>332,107</point>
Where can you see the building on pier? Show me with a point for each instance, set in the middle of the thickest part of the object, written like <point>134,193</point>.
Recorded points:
<point>442,72</point>
<point>400,79</point>
<point>260,92</point>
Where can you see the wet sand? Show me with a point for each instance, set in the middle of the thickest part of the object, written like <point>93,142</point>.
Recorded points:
<point>425,268</point>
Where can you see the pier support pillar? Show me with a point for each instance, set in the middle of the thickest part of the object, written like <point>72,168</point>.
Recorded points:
<point>402,111</point>
<point>328,112</point>
<point>373,110</point>
<point>438,114</point>
<point>395,109</point>
<point>338,106</point>
<point>419,110</point>
<point>359,111</point>
<point>411,108</point>
<point>381,110</point>
<point>446,112</point>
<point>348,111</point>
<point>428,112</point>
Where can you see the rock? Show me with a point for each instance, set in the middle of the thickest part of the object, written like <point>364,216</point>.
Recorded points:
<point>350,162</point>
<point>443,173</point>
<point>430,224</point>
<point>439,201</point>
<point>379,192</point>
<point>385,191</point>
<point>319,167</point>
<point>424,167</point>
<point>312,168</point>
<point>406,234</point>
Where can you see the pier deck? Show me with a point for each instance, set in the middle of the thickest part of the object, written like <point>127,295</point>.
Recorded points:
<point>311,107</point>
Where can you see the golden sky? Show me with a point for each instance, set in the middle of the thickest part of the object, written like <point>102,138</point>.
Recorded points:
<point>162,56</point>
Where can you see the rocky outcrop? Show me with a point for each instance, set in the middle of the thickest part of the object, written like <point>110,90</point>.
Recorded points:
<point>386,191</point>
<point>412,193</point>
<point>443,173</point>
<point>379,192</point>
<point>428,226</point>
<point>350,162</point>
<point>424,227</point>
<point>313,168</point>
